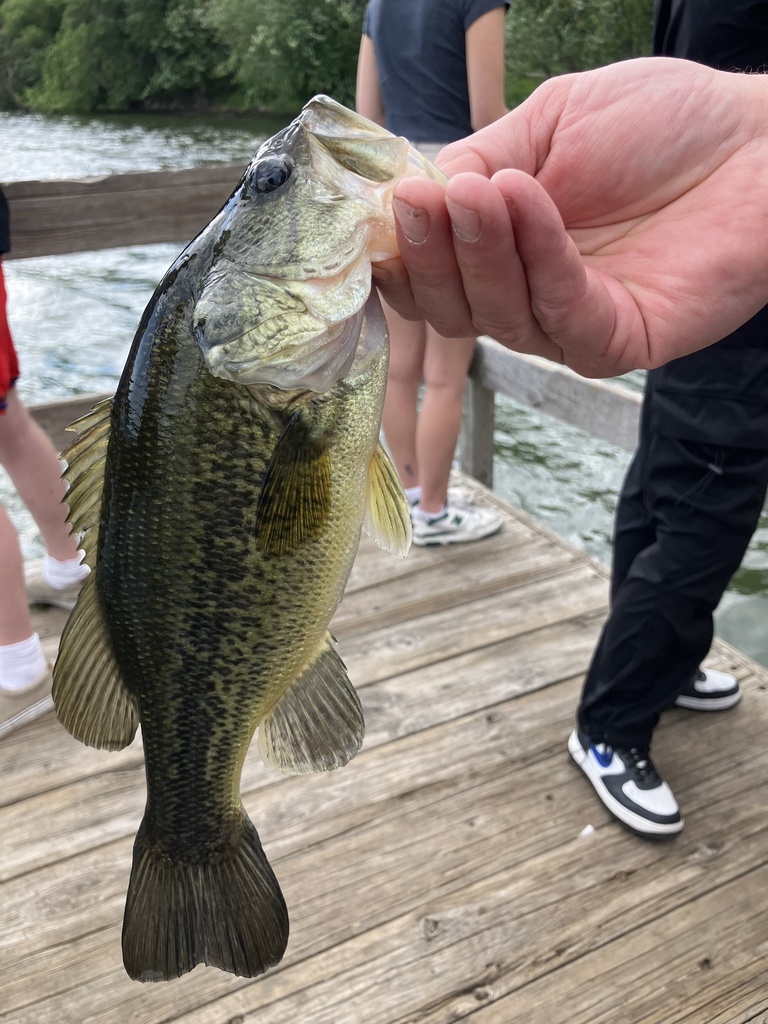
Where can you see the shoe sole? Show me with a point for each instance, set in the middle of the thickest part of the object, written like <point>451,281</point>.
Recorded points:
<point>437,542</point>
<point>638,824</point>
<point>709,703</point>
<point>30,714</point>
<point>68,606</point>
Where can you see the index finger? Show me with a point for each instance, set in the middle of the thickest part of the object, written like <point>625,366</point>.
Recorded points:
<point>510,142</point>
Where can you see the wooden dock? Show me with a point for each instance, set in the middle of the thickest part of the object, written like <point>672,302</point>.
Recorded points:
<point>460,868</point>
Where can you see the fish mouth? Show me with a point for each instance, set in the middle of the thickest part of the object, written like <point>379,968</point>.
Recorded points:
<point>314,361</point>
<point>294,335</point>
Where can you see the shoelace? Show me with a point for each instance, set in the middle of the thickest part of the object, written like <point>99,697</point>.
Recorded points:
<point>642,763</point>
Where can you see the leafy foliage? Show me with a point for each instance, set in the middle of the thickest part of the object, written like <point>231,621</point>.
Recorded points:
<point>27,30</point>
<point>87,55</point>
<point>554,37</point>
<point>281,53</point>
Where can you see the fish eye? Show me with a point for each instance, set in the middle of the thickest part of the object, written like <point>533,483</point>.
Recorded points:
<point>271,173</point>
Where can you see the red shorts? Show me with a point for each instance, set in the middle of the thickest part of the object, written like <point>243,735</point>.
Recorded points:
<point>9,363</point>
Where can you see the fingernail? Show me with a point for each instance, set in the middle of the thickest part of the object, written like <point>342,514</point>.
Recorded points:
<point>413,222</point>
<point>466,223</point>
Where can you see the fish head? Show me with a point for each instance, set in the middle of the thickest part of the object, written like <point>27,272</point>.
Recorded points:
<point>282,299</point>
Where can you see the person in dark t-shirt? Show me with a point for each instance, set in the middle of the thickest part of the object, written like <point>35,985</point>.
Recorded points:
<point>688,507</point>
<point>432,71</point>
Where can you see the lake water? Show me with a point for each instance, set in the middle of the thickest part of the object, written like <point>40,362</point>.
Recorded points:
<point>74,317</point>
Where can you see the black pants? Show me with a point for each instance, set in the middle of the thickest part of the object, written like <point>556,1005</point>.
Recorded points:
<point>684,520</point>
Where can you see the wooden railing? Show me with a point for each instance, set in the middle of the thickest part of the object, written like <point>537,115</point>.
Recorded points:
<point>49,218</point>
<point>54,217</point>
<point>598,407</point>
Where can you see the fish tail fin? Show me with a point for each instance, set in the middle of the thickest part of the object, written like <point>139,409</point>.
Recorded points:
<point>228,912</point>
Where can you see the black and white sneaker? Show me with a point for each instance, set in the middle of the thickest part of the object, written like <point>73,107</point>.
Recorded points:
<point>709,691</point>
<point>628,785</point>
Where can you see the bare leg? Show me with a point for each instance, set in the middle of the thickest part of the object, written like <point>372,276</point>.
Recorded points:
<point>33,466</point>
<point>15,623</point>
<point>446,364</point>
<point>407,345</point>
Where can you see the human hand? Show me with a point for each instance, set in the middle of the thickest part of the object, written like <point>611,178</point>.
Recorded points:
<point>616,219</point>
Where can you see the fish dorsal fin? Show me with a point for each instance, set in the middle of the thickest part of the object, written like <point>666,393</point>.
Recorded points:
<point>91,699</point>
<point>86,458</point>
<point>317,724</point>
<point>387,518</point>
<point>295,499</point>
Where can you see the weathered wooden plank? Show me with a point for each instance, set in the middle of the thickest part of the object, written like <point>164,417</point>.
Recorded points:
<point>371,569</point>
<point>476,437</point>
<point>445,874</point>
<point>44,755</point>
<point>505,930</point>
<point>704,953</point>
<point>434,637</point>
<point>598,407</point>
<point>444,584</point>
<point>53,217</point>
<point>107,804</point>
<point>463,884</point>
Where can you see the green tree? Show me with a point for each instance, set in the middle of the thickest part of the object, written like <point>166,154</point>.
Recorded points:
<point>127,54</point>
<point>554,37</point>
<point>85,55</point>
<point>27,30</point>
<point>282,52</point>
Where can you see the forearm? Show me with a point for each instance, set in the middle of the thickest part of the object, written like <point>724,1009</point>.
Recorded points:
<point>486,69</point>
<point>368,99</point>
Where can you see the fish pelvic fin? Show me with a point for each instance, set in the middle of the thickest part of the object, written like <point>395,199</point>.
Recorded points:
<point>387,518</point>
<point>317,725</point>
<point>86,458</point>
<point>91,699</point>
<point>227,912</point>
<point>295,498</point>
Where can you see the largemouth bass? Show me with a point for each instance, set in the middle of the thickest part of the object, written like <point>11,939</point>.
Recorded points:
<point>221,495</point>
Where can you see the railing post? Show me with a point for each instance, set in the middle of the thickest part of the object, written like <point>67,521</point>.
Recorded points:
<point>476,437</point>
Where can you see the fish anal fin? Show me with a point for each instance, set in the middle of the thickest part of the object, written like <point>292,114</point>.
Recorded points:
<point>317,725</point>
<point>91,699</point>
<point>227,912</point>
<point>387,518</point>
<point>295,498</point>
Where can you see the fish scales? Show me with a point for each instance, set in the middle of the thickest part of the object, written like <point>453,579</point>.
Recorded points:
<point>220,496</point>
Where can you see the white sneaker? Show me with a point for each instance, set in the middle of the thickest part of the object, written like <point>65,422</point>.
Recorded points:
<point>628,784</point>
<point>709,690</point>
<point>457,524</point>
<point>17,708</point>
<point>39,590</point>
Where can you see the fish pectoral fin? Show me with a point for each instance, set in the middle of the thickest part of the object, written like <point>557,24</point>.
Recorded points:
<point>317,725</point>
<point>227,911</point>
<point>91,699</point>
<point>387,518</point>
<point>86,458</point>
<point>295,498</point>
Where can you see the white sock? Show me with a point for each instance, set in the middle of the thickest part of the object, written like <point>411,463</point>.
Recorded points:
<point>419,513</point>
<point>61,575</point>
<point>413,494</point>
<point>21,665</point>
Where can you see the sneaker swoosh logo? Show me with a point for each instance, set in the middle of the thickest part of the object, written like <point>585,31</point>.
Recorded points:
<point>603,758</point>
